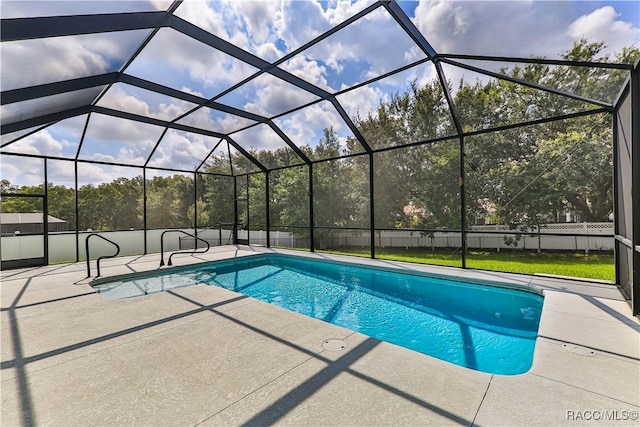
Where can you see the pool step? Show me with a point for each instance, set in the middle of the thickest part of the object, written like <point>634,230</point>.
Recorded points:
<point>144,286</point>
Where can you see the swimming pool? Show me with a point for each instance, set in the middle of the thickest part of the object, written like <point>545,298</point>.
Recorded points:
<point>483,327</point>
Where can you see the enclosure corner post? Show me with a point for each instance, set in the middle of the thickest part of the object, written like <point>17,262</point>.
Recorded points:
<point>267,209</point>
<point>195,206</point>
<point>312,246</point>
<point>372,225</point>
<point>144,208</point>
<point>45,215</point>
<point>635,186</point>
<point>463,209</point>
<point>234,229</point>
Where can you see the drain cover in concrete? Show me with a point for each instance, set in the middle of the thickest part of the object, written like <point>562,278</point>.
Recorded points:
<point>576,349</point>
<point>334,344</point>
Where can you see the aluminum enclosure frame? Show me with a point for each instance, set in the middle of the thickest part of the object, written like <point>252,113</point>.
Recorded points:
<point>43,27</point>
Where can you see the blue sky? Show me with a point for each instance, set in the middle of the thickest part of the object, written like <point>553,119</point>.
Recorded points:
<point>271,30</point>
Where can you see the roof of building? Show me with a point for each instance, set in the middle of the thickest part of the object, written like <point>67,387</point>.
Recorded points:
<point>26,218</point>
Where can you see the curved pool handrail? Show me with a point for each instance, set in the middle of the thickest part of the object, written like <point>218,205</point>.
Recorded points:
<point>195,251</point>
<point>99,258</point>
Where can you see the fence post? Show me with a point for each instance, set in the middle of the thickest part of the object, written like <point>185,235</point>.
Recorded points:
<point>586,231</point>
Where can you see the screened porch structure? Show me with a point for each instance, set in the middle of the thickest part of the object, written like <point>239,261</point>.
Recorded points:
<point>192,127</point>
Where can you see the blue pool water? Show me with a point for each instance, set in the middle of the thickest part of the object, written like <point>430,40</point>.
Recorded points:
<point>487,328</point>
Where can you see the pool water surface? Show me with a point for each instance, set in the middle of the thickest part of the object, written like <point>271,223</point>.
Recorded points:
<point>487,328</point>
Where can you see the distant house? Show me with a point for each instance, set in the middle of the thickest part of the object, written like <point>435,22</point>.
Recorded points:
<point>26,223</point>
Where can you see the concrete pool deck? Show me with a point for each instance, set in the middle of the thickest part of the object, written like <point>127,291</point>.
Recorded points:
<point>203,355</point>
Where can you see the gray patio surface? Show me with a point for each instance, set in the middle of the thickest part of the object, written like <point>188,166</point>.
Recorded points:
<point>203,355</point>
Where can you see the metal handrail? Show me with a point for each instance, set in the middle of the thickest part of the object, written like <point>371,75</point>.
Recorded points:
<point>195,251</point>
<point>99,258</point>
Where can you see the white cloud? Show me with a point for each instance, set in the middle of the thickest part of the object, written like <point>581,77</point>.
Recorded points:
<point>89,173</point>
<point>39,143</point>
<point>180,150</point>
<point>603,25</point>
<point>191,66</point>
<point>259,137</point>
<point>258,18</point>
<point>157,106</point>
<point>247,24</point>
<point>367,48</point>
<point>306,126</point>
<point>206,118</point>
<point>116,98</point>
<point>65,57</point>
<point>107,128</point>
<point>268,96</point>
<point>310,70</point>
<point>22,8</point>
<point>61,173</point>
<point>22,170</point>
<point>126,154</point>
<point>518,28</point>
<point>362,101</point>
<point>300,22</point>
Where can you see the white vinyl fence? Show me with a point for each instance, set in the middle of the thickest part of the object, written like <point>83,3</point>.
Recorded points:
<point>62,246</point>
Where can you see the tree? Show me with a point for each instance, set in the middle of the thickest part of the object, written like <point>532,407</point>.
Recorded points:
<point>62,204</point>
<point>289,193</point>
<point>168,201</point>
<point>203,215</point>
<point>218,197</point>
<point>527,174</point>
<point>7,188</point>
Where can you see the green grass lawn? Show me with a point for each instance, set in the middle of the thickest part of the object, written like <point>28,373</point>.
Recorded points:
<point>592,266</point>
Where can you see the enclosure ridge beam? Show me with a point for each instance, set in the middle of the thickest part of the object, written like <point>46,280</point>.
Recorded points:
<point>447,93</point>
<point>184,96</point>
<point>403,20</point>
<point>155,147</point>
<point>289,142</point>
<point>245,153</point>
<point>528,84</point>
<point>216,42</point>
<point>47,89</point>
<point>158,88</point>
<point>408,26</point>
<point>215,147</point>
<point>56,26</point>
<point>351,125</point>
<point>203,36</point>
<point>235,111</point>
<point>154,121</point>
